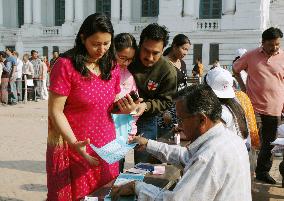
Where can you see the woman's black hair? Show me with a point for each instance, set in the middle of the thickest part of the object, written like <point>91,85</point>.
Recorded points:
<point>178,41</point>
<point>92,24</point>
<point>123,41</point>
<point>237,112</point>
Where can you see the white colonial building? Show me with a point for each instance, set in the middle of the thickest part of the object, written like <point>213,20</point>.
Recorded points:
<point>216,27</point>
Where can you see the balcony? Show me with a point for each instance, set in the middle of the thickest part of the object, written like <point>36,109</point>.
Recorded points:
<point>208,25</point>
<point>51,31</point>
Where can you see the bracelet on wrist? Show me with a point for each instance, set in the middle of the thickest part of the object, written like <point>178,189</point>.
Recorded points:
<point>146,108</point>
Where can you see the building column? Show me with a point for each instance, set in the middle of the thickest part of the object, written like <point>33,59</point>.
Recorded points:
<point>126,10</point>
<point>28,12</point>
<point>36,11</point>
<point>205,54</point>
<point>1,14</point>
<point>79,11</point>
<point>69,11</point>
<point>19,47</point>
<point>115,7</point>
<point>188,7</point>
<point>228,7</point>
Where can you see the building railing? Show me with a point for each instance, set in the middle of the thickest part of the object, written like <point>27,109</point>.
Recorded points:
<point>51,31</point>
<point>208,24</point>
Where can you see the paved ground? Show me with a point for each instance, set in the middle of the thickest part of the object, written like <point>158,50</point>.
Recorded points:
<point>23,131</point>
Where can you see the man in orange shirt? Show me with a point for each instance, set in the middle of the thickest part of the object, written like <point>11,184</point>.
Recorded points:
<point>265,88</point>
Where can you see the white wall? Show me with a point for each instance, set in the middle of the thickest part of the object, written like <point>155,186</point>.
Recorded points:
<point>90,6</point>
<point>47,13</point>
<point>136,10</point>
<point>239,29</point>
<point>277,14</point>
<point>10,14</point>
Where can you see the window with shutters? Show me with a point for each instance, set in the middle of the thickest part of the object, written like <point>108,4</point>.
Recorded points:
<point>214,53</point>
<point>197,52</point>
<point>210,9</point>
<point>104,7</point>
<point>20,13</point>
<point>59,12</point>
<point>150,8</point>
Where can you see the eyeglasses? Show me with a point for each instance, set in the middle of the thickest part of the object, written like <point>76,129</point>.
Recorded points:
<point>124,59</point>
<point>180,121</point>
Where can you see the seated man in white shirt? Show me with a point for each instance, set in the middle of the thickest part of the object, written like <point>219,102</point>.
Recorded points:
<point>216,164</point>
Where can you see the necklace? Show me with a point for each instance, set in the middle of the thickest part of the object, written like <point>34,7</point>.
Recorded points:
<point>94,68</point>
<point>176,63</point>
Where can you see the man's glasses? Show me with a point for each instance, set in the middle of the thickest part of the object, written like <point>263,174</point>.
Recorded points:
<point>180,121</point>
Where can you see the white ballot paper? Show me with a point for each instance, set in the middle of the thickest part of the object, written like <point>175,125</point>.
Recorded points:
<point>113,151</point>
<point>30,83</point>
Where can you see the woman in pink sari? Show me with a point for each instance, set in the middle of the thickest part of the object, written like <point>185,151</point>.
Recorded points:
<point>83,86</point>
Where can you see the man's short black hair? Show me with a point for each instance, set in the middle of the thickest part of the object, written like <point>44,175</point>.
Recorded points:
<point>33,51</point>
<point>201,99</point>
<point>271,34</point>
<point>3,54</point>
<point>155,32</point>
<point>55,51</point>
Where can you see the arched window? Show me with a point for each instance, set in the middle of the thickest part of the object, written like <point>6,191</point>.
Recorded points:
<point>150,8</point>
<point>210,9</point>
<point>20,12</point>
<point>59,12</point>
<point>104,7</point>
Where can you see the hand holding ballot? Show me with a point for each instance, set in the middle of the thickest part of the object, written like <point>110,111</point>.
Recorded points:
<point>113,151</point>
<point>80,147</point>
<point>141,141</point>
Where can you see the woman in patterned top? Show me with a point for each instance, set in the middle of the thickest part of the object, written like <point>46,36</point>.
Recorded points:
<point>175,54</point>
<point>84,83</point>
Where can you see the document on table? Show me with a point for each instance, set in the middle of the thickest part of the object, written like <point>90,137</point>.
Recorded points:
<point>113,151</point>
<point>125,178</point>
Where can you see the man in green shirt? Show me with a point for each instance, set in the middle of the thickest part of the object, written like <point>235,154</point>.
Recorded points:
<point>156,81</point>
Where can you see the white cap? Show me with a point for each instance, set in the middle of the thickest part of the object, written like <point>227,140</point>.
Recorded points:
<point>240,52</point>
<point>221,81</point>
<point>281,131</point>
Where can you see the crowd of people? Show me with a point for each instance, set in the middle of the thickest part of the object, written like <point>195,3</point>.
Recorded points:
<point>24,79</point>
<point>90,101</point>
